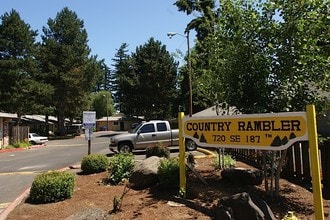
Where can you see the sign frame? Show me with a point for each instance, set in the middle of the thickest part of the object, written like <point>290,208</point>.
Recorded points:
<point>270,131</point>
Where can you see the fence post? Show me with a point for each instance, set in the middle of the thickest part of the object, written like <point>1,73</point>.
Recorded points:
<point>306,163</point>
<point>325,162</point>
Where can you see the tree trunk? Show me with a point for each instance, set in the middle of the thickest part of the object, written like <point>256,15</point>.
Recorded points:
<point>278,172</point>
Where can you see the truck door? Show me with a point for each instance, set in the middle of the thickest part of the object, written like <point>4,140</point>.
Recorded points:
<point>147,136</point>
<point>163,134</point>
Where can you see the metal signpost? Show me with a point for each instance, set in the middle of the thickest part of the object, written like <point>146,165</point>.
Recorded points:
<point>89,123</point>
<point>273,131</point>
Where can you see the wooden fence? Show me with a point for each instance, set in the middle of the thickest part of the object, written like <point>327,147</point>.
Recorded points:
<point>19,134</point>
<point>297,166</point>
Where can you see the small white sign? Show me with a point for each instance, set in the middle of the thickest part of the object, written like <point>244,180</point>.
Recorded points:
<point>89,119</point>
<point>88,134</point>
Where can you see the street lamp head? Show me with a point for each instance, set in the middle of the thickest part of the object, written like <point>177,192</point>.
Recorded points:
<point>171,34</point>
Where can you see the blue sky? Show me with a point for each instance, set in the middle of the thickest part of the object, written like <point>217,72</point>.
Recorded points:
<point>109,23</point>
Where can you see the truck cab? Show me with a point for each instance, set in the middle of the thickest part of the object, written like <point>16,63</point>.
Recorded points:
<point>144,135</point>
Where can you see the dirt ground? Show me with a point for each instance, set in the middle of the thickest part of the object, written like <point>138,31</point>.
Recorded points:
<point>94,200</point>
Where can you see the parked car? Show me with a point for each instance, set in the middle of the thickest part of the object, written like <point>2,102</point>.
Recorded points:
<point>35,138</point>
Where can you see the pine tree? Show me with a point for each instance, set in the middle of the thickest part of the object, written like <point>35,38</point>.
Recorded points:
<point>120,87</point>
<point>67,66</point>
<point>21,90</point>
<point>154,80</point>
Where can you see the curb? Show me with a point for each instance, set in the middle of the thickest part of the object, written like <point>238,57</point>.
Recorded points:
<point>24,195</point>
<point>18,149</point>
<point>14,204</point>
<point>208,154</point>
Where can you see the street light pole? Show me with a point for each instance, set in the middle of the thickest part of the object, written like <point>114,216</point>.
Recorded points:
<point>170,35</point>
<point>106,107</point>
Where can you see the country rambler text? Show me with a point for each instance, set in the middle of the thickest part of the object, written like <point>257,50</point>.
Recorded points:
<point>262,125</point>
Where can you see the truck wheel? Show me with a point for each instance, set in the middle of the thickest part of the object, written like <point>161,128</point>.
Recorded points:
<point>125,148</point>
<point>190,145</point>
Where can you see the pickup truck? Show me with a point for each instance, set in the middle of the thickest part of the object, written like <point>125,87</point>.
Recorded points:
<point>147,134</point>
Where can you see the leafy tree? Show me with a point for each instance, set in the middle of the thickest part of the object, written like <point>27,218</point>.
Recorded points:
<point>268,56</point>
<point>265,56</point>
<point>102,104</point>
<point>64,54</point>
<point>246,63</point>
<point>203,24</point>
<point>302,52</point>
<point>21,90</point>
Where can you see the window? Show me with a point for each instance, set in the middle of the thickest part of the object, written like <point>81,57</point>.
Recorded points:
<point>148,128</point>
<point>115,123</point>
<point>161,126</point>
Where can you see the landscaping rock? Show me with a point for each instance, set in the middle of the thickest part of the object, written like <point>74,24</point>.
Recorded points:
<point>241,176</point>
<point>244,206</point>
<point>145,173</point>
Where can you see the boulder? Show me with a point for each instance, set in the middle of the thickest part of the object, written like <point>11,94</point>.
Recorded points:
<point>241,176</point>
<point>244,206</point>
<point>145,173</point>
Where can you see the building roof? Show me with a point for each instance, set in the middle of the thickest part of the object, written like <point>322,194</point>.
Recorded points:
<point>212,112</point>
<point>119,118</point>
<point>7,115</point>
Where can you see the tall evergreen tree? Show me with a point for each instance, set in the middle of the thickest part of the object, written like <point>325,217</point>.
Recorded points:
<point>105,81</point>
<point>67,65</point>
<point>120,87</point>
<point>146,80</point>
<point>21,90</point>
<point>154,81</point>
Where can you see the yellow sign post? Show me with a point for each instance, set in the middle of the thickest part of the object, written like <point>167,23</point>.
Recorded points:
<point>315,167</point>
<point>182,153</point>
<point>271,131</point>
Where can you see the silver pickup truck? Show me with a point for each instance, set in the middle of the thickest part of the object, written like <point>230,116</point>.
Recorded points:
<point>144,135</point>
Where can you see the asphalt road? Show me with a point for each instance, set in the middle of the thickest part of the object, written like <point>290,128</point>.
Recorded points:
<point>19,168</point>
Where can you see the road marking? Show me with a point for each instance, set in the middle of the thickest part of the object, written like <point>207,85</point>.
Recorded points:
<point>23,172</point>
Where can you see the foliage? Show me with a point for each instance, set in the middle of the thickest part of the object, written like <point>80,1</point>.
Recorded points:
<point>120,85</point>
<point>121,167</point>
<point>21,90</point>
<point>94,163</point>
<point>102,104</point>
<point>64,55</point>
<point>21,144</point>
<point>104,83</point>
<point>168,173</point>
<point>52,186</point>
<point>148,73</point>
<point>265,56</point>
<point>224,161</point>
<point>158,150</point>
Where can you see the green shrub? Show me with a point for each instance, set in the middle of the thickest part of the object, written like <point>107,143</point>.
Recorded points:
<point>52,186</point>
<point>168,173</point>
<point>20,144</point>
<point>94,163</point>
<point>228,161</point>
<point>121,167</point>
<point>158,150</point>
